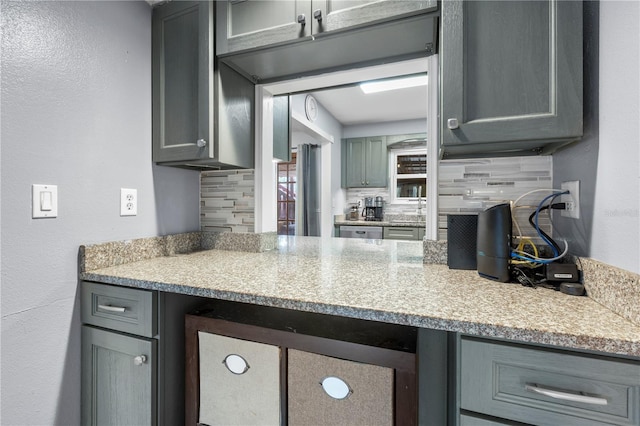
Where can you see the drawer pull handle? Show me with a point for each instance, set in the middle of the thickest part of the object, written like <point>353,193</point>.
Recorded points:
<point>236,364</point>
<point>565,396</point>
<point>108,308</point>
<point>335,387</point>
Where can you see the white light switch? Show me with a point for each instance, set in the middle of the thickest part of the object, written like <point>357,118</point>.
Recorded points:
<point>44,201</point>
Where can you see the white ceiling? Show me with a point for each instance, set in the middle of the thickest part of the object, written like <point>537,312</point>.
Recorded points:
<point>349,105</point>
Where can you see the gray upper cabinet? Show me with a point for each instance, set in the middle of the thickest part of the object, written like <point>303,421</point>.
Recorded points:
<point>202,110</point>
<point>245,25</point>
<point>275,40</point>
<point>282,128</point>
<point>365,162</point>
<point>511,77</point>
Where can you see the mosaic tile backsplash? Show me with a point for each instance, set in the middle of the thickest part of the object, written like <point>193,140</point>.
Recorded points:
<point>472,185</point>
<point>227,201</point>
<point>465,186</point>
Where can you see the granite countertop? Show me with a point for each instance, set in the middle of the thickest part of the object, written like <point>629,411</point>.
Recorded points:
<point>408,224</point>
<point>381,280</point>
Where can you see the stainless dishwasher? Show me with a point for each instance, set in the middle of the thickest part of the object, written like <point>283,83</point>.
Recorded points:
<point>369,232</point>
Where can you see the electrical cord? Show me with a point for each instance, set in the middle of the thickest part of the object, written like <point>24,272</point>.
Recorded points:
<point>515,203</point>
<point>543,235</point>
<point>526,256</point>
<point>540,231</point>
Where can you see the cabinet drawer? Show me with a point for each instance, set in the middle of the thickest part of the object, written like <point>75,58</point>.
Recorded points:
<point>244,393</point>
<point>466,420</point>
<point>369,401</point>
<point>400,233</point>
<point>119,308</point>
<point>548,387</point>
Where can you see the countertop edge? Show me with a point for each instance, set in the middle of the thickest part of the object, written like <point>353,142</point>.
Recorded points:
<point>524,335</point>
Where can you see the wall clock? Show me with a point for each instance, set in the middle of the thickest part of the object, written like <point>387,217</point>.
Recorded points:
<point>311,108</point>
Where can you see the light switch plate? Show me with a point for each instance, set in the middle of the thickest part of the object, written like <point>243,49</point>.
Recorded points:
<point>44,201</point>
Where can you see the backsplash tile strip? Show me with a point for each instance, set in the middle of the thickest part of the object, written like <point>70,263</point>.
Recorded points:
<point>468,186</point>
<point>227,201</point>
<point>473,185</point>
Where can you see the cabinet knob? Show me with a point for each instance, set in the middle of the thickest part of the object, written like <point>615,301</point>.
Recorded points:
<point>452,123</point>
<point>367,182</point>
<point>317,14</point>
<point>362,183</point>
<point>140,359</point>
<point>201,143</point>
<point>302,20</point>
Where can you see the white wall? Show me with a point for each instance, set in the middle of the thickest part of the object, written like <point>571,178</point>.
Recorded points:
<point>332,194</point>
<point>616,225</point>
<point>76,112</point>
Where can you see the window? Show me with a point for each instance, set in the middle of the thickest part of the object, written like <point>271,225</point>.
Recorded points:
<point>287,197</point>
<point>408,175</point>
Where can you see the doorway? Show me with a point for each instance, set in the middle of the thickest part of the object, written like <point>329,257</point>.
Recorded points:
<point>266,174</point>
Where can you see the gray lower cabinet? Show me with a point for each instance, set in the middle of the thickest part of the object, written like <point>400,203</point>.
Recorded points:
<point>202,110</point>
<point>132,355</point>
<point>403,233</point>
<point>511,76</point>
<point>119,378</point>
<point>545,387</point>
<point>254,24</point>
<point>119,355</point>
<point>365,162</point>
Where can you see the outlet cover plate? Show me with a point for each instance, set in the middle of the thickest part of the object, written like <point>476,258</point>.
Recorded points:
<point>128,202</point>
<point>571,200</point>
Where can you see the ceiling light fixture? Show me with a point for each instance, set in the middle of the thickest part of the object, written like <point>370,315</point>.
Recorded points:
<point>394,83</point>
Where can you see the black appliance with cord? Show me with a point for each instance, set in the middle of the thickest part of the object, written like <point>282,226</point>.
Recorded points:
<point>372,209</point>
<point>494,243</point>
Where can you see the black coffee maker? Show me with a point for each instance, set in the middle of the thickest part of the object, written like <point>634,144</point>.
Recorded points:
<point>369,211</point>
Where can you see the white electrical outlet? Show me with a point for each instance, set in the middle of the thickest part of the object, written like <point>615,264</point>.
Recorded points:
<point>128,202</point>
<point>571,200</point>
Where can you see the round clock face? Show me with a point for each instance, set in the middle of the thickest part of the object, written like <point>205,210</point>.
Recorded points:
<point>311,108</point>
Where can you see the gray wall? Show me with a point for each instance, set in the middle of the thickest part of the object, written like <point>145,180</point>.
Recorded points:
<point>579,161</point>
<point>76,112</point>
<point>607,160</point>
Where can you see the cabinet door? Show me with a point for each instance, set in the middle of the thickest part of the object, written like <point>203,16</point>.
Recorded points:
<point>341,14</point>
<point>281,128</point>
<point>182,63</point>
<point>355,162</point>
<point>511,74</point>
<point>242,25</point>
<point>376,162</point>
<point>118,379</point>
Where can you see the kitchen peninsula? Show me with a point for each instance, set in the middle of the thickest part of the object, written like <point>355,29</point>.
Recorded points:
<point>326,276</point>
